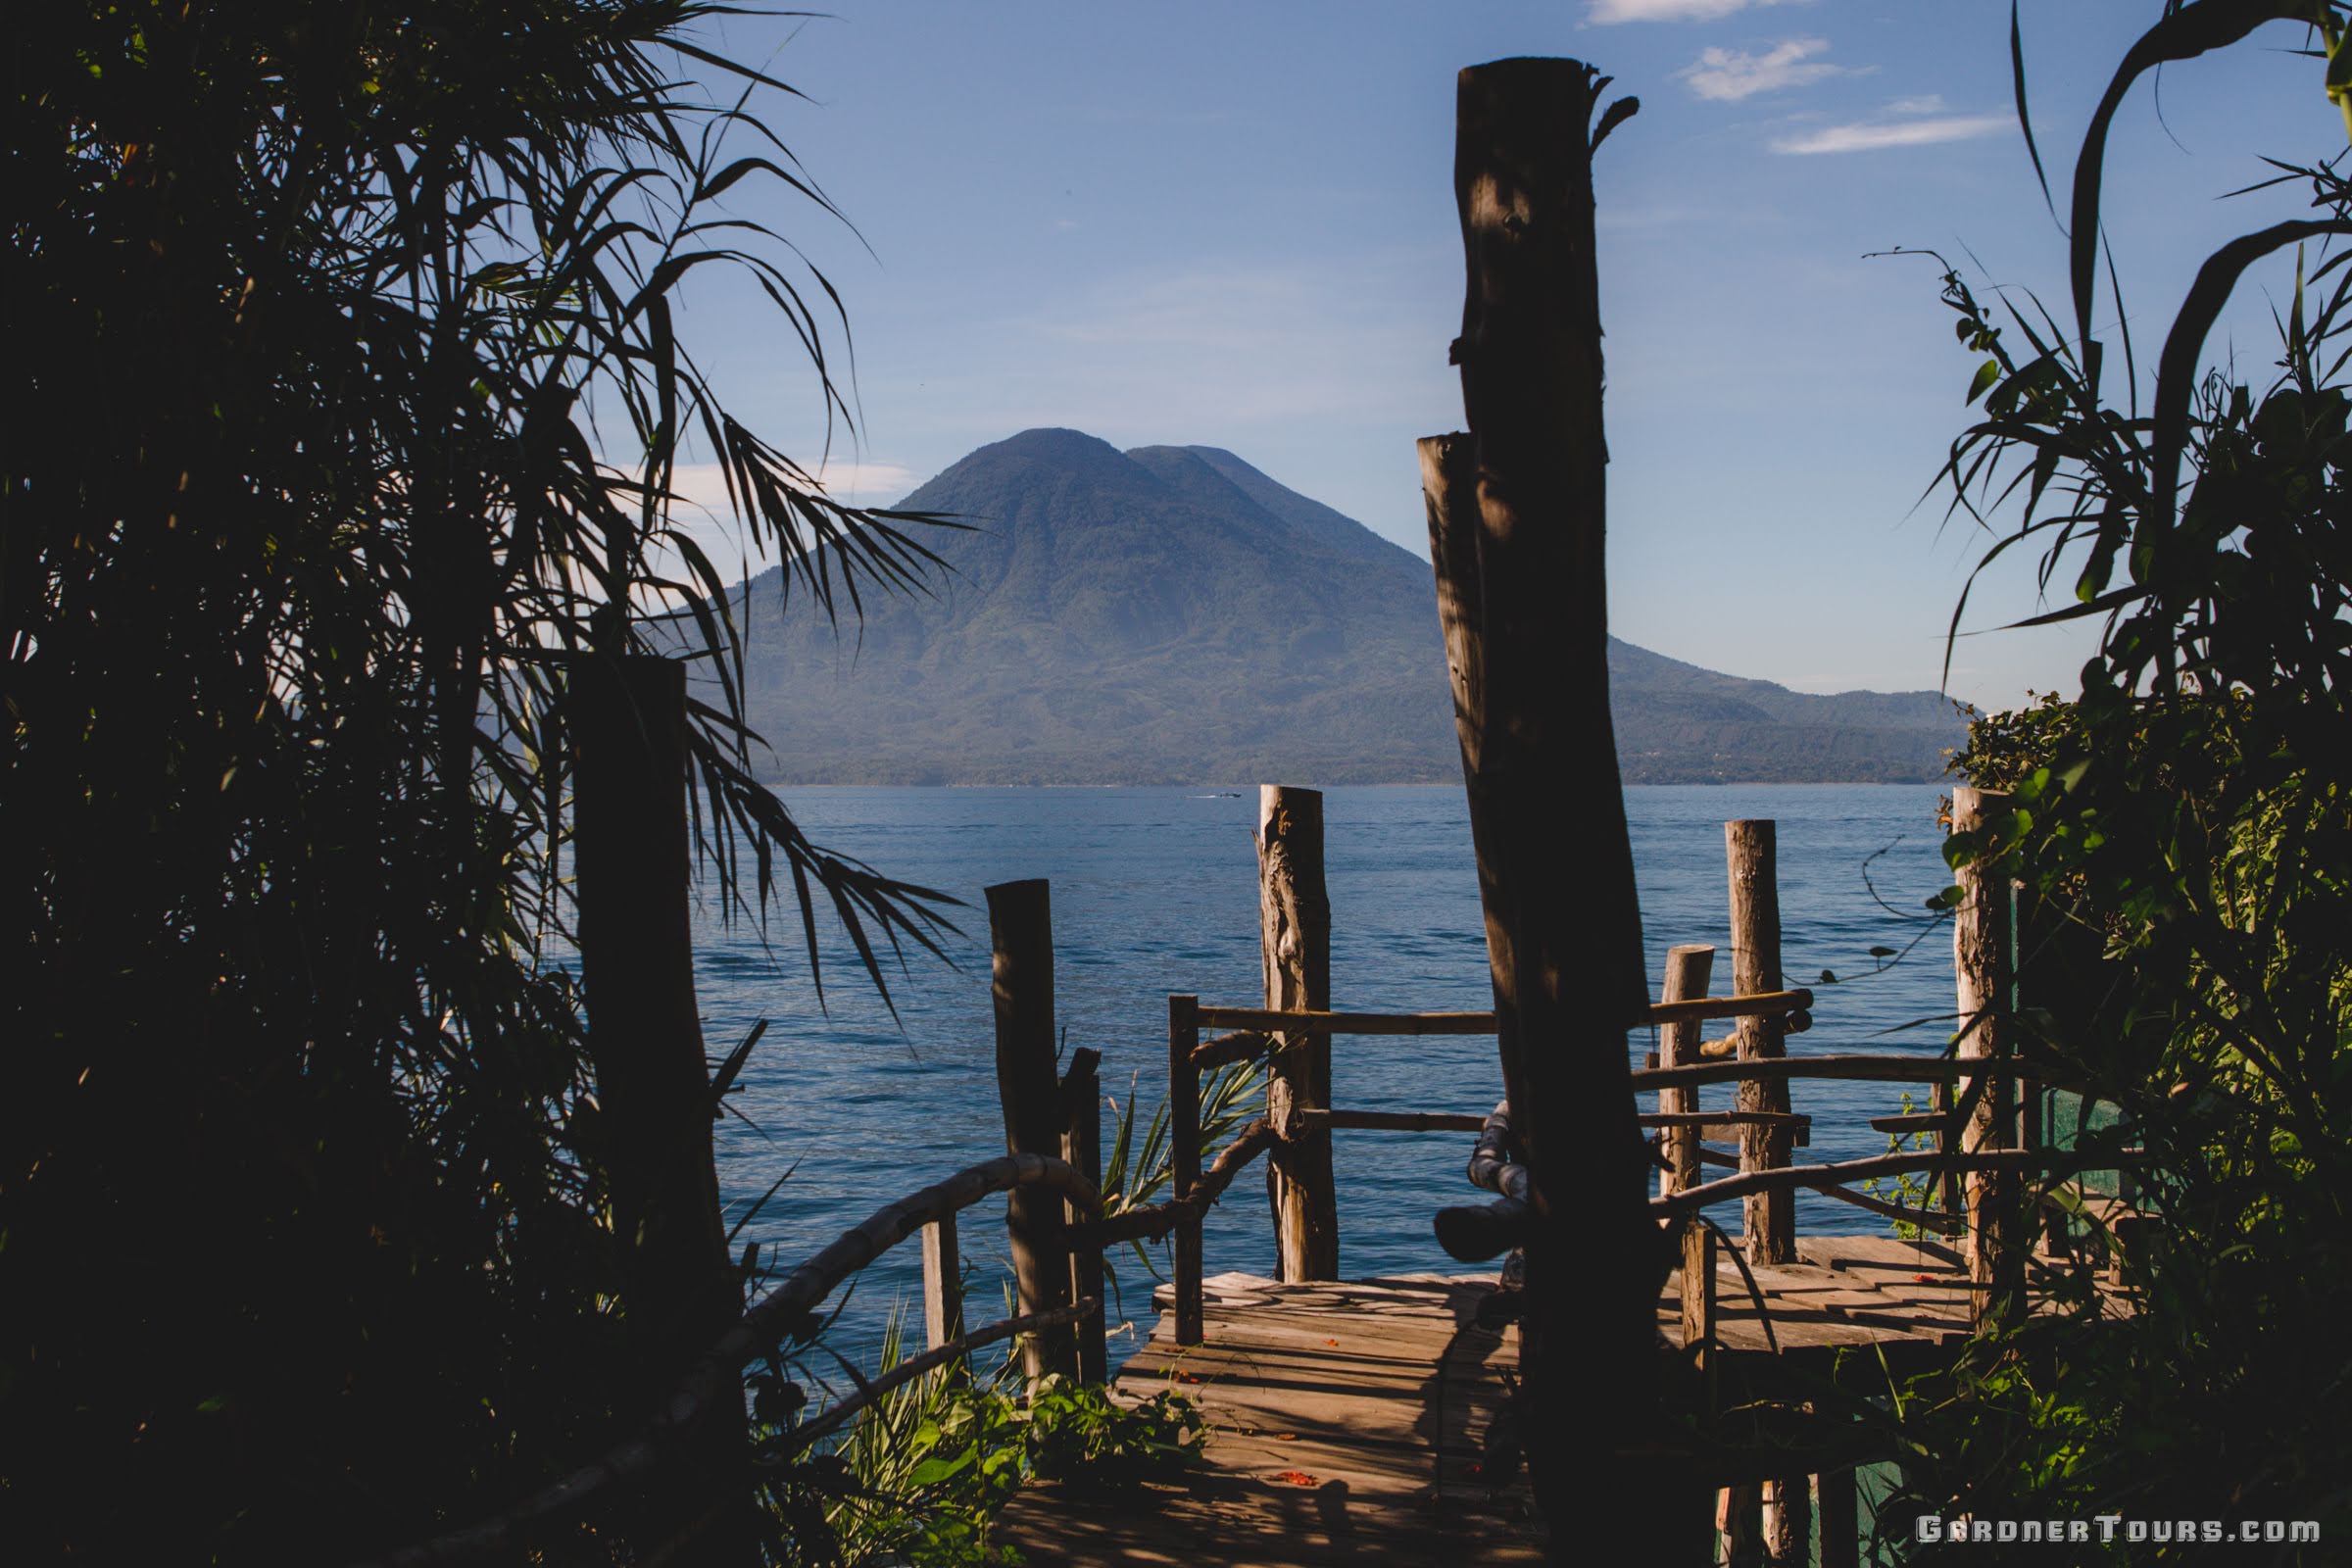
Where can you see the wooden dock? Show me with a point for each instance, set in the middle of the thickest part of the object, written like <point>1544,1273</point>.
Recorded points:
<point>1351,1422</point>
<point>1345,1424</point>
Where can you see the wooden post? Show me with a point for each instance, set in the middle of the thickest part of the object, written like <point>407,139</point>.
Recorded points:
<point>1768,1219</point>
<point>1082,1147</point>
<point>1984,967</point>
<point>942,1284</point>
<point>1735,1517</point>
<point>1946,1183</point>
<point>1785,1514</point>
<point>1294,947</point>
<point>1698,1308</point>
<point>1184,1158</point>
<point>1689,970</point>
<point>1840,1520</point>
<point>679,1288</point>
<point>1020,928</point>
<point>1555,866</point>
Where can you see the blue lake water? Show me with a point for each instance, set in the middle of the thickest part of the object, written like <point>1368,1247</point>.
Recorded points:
<point>1155,891</point>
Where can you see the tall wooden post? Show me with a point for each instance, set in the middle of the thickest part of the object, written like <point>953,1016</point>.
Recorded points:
<point>1294,945</point>
<point>679,1288</point>
<point>1768,1219</point>
<point>1555,867</point>
<point>1082,1147</point>
<point>1983,965</point>
<point>1184,1159</point>
<point>1750,849</point>
<point>1020,929</point>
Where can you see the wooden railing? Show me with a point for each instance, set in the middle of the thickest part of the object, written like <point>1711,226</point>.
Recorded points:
<point>1058,1229</point>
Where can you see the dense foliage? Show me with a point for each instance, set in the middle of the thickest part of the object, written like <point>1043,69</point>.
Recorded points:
<point>344,404</point>
<point>2182,829</point>
<point>922,1474</point>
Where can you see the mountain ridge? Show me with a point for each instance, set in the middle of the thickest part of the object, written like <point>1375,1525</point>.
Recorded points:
<point>1173,615</point>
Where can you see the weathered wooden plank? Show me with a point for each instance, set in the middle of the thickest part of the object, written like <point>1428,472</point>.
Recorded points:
<point>1346,1426</point>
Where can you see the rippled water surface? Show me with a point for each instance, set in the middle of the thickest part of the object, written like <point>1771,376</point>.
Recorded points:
<point>1154,891</point>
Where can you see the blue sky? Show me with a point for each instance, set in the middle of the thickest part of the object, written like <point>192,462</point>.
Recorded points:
<point>1233,224</point>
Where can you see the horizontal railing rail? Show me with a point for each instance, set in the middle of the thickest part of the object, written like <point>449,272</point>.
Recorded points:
<point>1714,1125</point>
<point>1265,1021</point>
<point>1860,1066</point>
<point>1839,1172</point>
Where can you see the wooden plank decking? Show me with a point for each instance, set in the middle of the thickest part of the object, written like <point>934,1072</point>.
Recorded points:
<point>1347,1420</point>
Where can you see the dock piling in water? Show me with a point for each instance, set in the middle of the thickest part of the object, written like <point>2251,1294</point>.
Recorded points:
<point>1294,947</point>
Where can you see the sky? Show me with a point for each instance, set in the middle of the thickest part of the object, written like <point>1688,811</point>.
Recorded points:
<point>1234,225</point>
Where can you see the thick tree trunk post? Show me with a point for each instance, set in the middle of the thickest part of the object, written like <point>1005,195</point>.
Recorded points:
<point>1020,929</point>
<point>1184,1159</point>
<point>679,1288</point>
<point>1082,1147</point>
<point>942,1284</point>
<point>1555,867</point>
<point>1769,1218</point>
<point>1294,945</point>
<point>1984,960</point>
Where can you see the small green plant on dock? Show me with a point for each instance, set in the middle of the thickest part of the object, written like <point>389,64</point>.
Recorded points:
<point>1911,1188</point>
<point>1135,1173</point>
<point>920,1473</point>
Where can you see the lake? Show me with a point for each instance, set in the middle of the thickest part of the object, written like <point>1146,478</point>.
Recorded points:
<point>1155,891</point>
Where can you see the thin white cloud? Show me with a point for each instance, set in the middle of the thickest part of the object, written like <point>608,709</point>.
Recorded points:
<point>1926,103</point>
<point>1873,135</point>
<point>1607,12</point>
<point>1727,75</point>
